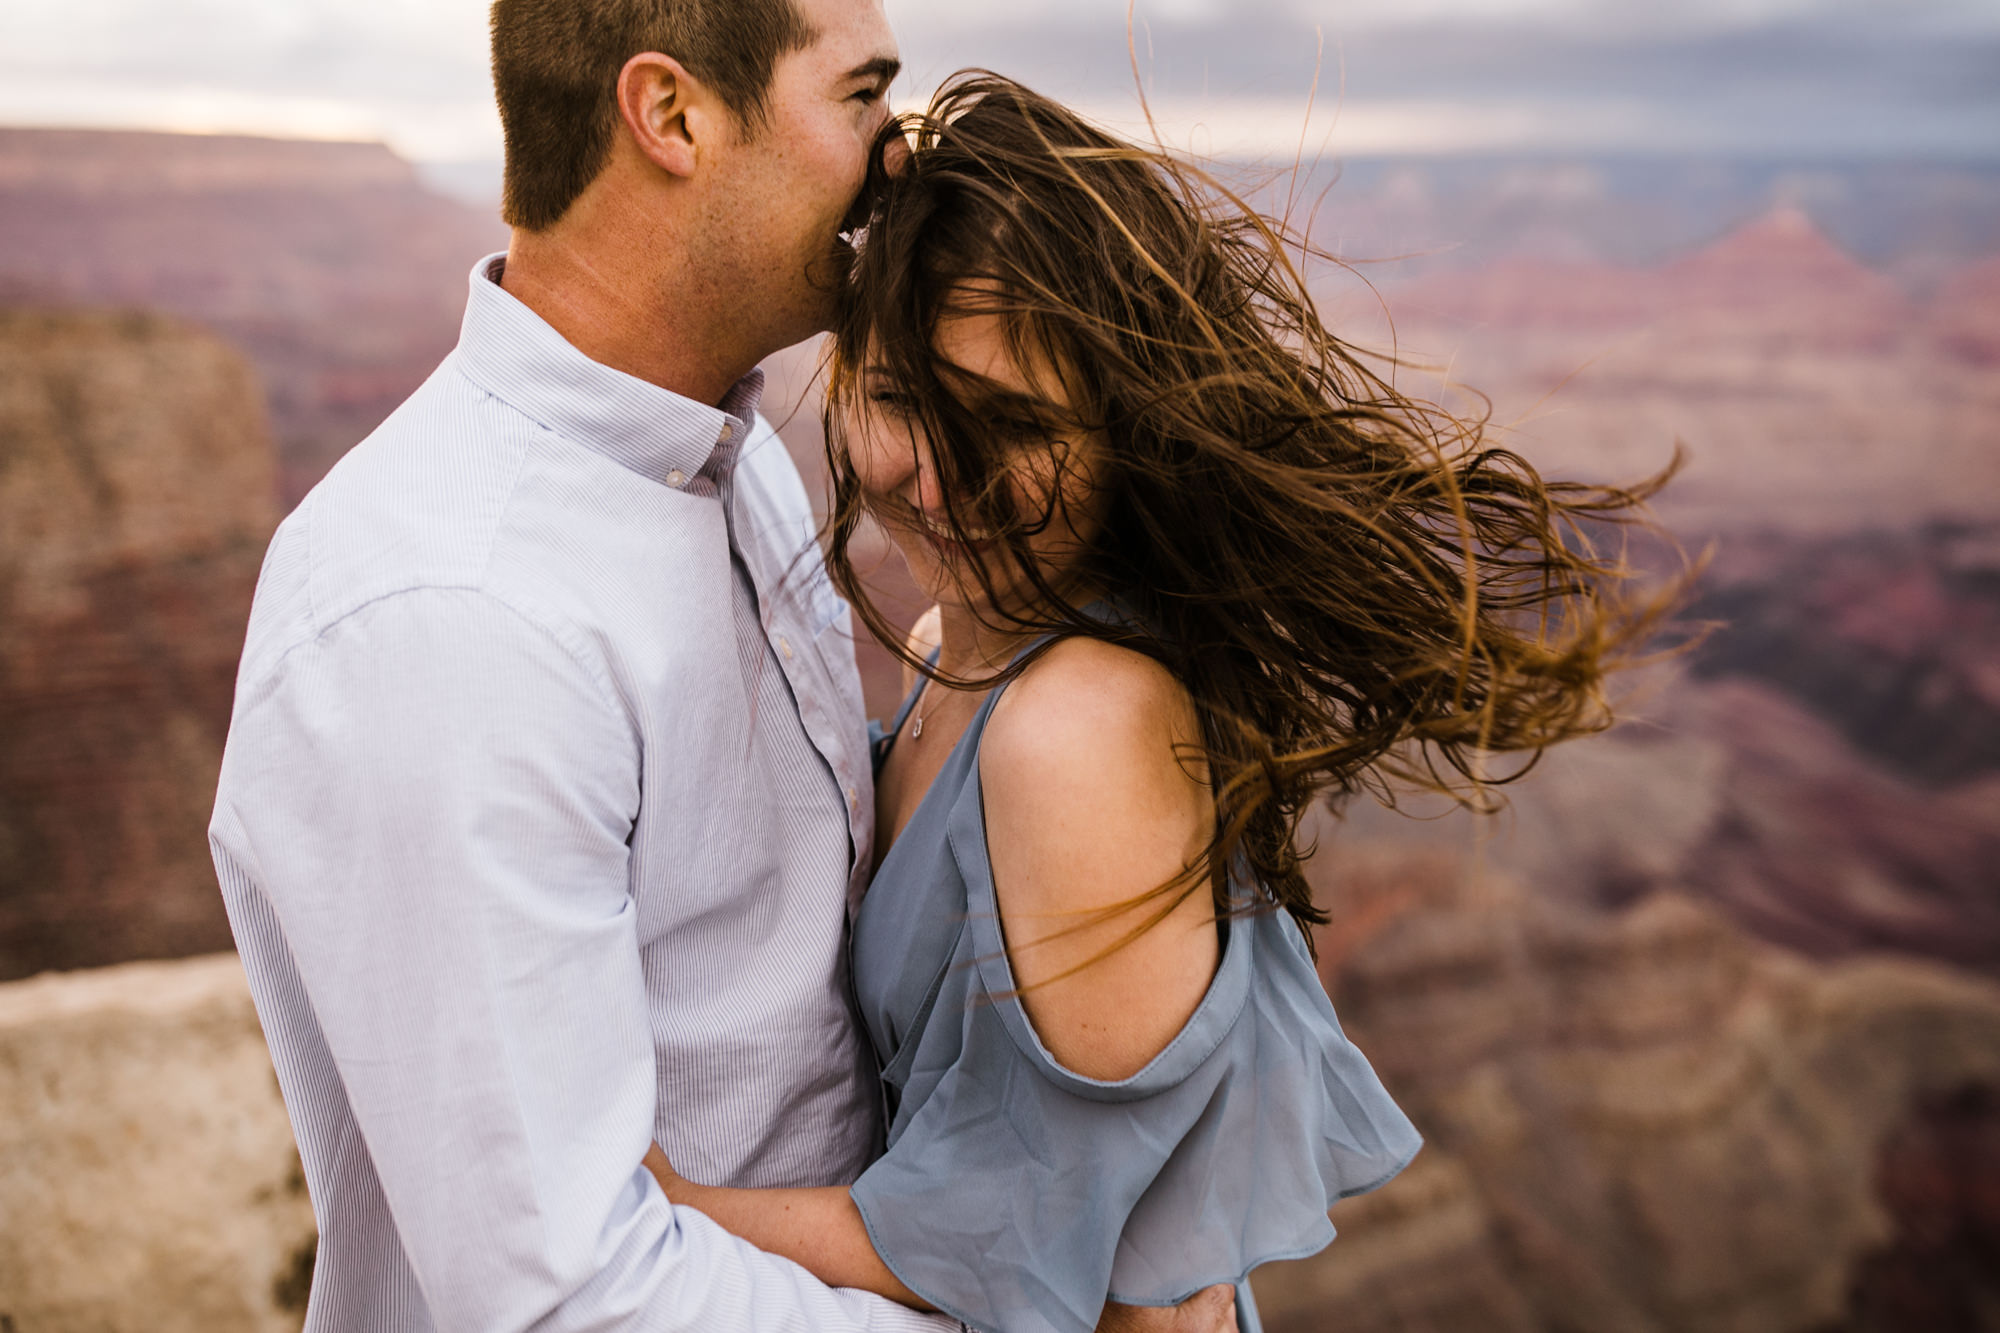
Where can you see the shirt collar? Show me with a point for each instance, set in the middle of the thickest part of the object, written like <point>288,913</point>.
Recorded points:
<point>513,354</point>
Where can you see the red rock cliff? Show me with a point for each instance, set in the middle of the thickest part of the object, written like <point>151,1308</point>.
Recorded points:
<point>137,493</point>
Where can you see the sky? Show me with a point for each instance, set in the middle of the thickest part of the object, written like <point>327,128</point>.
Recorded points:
<point>1786,78</point>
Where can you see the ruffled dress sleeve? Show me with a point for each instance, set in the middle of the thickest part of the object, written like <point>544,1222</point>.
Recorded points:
<point>1018,1196</point>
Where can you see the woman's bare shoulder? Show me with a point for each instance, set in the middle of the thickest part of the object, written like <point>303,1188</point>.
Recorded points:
<point>1083,705</point>
<point>1092,804</point>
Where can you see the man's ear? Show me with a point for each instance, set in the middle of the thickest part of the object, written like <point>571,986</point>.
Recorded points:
<point>669,113</point>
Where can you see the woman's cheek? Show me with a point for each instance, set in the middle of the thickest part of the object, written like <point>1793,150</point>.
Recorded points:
<point>927,571</point>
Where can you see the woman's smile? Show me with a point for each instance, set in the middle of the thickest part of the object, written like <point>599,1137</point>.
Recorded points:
<point>962,544</point>
<point>964,537</point>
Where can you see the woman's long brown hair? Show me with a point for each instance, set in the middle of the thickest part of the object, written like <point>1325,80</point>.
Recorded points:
<point>1357,590</point>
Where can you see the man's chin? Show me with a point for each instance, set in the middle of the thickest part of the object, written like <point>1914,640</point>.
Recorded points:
<point>800,322</point>
<point>808,308</point>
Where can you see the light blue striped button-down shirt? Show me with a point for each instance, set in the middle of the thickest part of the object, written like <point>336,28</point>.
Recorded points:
<point>545,799</point>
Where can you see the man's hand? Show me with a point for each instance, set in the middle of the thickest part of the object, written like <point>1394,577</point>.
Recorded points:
<point>1210,1311</point>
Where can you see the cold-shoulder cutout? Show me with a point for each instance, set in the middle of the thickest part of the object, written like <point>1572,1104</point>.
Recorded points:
<point>1094,817</point>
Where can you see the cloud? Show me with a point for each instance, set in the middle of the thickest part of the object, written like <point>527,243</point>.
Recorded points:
<point>1348,17</point>
<point>413,73</point>
<point>1822,76</point>
<point>1757,77</point>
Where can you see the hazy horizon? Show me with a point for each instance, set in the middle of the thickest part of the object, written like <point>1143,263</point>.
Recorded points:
<point>1832,79</point>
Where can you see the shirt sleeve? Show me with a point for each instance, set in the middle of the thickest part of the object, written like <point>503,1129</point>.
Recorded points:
<point>436,796</point>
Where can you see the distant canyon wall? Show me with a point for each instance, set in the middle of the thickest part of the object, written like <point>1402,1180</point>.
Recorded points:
<point>1813,395</point>
<point>329,264</point>
<point>136,498</point>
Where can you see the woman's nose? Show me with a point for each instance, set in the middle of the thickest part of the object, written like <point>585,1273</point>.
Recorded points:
<point>923,491</point>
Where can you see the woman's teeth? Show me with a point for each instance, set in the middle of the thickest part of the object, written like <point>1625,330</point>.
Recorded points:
<point>963,537</point>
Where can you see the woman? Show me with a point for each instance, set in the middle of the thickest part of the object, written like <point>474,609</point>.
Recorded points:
<point>1194,568</point>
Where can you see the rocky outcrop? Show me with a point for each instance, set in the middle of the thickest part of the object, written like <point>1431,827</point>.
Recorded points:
<point>1638,1121</point>
<point>147,1174</point>
<point>329,263</point>
<point>136,497</point>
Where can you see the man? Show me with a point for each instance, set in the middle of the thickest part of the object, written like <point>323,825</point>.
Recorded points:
<point>547,790</point>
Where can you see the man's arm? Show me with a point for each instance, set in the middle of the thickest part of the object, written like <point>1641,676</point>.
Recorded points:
<point>436,795</point>
<point>824,1231</point>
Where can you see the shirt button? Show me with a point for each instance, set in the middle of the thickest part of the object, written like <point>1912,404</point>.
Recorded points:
<point>785,646</point>
<point>676,478</point>
<point>853,799</point>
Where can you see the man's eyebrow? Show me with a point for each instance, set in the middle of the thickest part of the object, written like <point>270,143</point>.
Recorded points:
<point>882,68</point>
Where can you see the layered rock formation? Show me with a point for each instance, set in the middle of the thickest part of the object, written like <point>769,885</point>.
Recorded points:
<point>329,263</point>
<point>1813,395</point>
<point>147,1174</point>
<point>1915,221</point>
<point>1893,637</point>
<point>1732,792</point>
<point>1637,1122</point>
<point>1968,314</point>
<point>1780,263</point>
<point>136,497</point>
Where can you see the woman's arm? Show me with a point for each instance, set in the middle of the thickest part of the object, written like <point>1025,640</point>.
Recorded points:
<point>818,1229</point>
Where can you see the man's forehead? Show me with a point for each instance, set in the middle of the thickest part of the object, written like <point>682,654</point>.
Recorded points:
<point>849,33</point>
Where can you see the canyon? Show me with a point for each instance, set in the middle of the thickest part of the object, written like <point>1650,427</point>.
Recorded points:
<point>1812,394</point>
<point>1700,1024</point>
<point>1703,1028</point>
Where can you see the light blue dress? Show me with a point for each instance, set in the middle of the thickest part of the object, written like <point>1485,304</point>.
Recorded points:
<point>1018,1196</point>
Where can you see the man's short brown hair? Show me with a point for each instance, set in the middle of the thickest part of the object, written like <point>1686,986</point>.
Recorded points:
<point>555,71</point>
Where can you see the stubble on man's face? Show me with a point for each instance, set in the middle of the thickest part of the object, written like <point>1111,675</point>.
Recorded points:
<point>798,173</point>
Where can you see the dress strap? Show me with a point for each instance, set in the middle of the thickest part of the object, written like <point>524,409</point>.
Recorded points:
<point>916,693</point>
<point>881,739</point>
